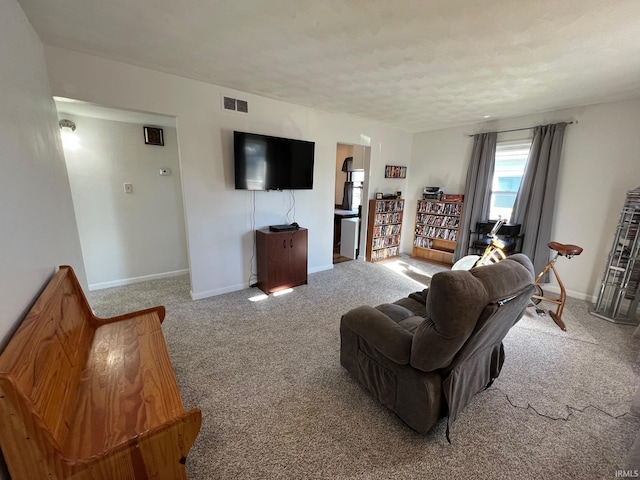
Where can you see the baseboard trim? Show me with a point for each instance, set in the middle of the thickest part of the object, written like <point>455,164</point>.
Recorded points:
<point>570,293</point>
<point>217,291</point>
<point>322,268</point>
<point>132,280</point>
<point>235,288</point>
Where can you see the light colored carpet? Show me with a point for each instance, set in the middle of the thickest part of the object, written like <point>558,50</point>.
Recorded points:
<point>276,403</point>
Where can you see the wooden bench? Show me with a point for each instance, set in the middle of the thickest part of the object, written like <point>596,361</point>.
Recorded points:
<point>89,398</point>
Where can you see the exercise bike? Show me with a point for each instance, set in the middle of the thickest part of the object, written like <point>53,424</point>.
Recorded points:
<point>492,254</point>
<point>562,250</point>
<point>495,252</point>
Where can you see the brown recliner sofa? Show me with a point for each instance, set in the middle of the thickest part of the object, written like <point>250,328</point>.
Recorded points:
<point>427,355</point>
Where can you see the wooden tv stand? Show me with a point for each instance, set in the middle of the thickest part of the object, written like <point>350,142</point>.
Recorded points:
<point>281,259</point>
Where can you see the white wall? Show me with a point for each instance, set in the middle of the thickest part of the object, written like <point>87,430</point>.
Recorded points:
<point>38,224</point>
<point>38,229</point>
<point>600,163</point>
<point>219,224</point>
<point>126,237</point>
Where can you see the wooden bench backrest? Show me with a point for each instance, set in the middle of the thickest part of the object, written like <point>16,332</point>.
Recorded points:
<point>45,357</point>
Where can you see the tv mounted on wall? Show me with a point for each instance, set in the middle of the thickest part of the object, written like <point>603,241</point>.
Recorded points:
<point>263,162</point>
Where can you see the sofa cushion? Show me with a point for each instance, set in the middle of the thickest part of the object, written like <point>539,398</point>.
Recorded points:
<point>395,312</point>
<point>454,302</point>
<point>377,329</point>
<point>411,324</point>
<point>418,308</point>
<point>403,316</point>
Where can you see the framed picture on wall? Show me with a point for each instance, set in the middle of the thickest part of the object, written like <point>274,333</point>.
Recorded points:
<point>393,171</point>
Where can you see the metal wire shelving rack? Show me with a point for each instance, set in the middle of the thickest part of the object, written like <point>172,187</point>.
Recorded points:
<point>619,295</point>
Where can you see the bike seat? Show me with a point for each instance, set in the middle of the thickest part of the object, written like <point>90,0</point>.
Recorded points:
<point>566,250</point>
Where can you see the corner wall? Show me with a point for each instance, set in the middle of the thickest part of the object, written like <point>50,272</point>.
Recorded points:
<point>600,163</point>
<point>39,229</point>
<point>36,219</point>
<point>126,237</point>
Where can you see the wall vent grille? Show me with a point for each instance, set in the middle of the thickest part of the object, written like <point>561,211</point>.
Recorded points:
<point>242,106</point>
<point>230,104</point>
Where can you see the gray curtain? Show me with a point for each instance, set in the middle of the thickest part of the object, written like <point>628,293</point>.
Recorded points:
<point>477,192</point>
<point>535,201</point>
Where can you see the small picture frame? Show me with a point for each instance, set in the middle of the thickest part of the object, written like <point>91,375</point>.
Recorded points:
<point>153,136</point>
<point>394,171</point>
<point>379,196</point>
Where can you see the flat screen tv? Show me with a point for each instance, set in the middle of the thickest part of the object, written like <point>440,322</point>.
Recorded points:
<point>263,162</point>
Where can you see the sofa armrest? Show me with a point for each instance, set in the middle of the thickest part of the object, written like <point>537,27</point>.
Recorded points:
<point>381,332</point>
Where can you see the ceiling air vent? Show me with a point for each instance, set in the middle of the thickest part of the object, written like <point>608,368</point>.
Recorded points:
<point>234,105</point>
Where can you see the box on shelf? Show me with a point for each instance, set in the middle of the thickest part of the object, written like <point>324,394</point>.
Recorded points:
<point>452,197</point>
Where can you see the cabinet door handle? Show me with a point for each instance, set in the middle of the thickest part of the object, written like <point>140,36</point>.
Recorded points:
<point>284,244</point>
<point>291,243</point>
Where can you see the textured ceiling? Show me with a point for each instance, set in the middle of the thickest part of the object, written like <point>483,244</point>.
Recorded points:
<point>414,64</point>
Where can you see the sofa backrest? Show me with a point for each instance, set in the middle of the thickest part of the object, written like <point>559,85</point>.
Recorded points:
<point>459,302</point>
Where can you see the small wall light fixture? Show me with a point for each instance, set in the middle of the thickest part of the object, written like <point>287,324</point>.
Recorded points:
<point>69,138</point>
<point>67,125</point>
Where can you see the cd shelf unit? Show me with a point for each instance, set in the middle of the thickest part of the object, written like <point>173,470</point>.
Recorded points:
<point>384,227</point>
<point>620,290</point>
<point>436,234</point>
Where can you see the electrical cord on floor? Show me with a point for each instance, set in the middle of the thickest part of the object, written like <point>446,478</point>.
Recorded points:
<point>570,408</point>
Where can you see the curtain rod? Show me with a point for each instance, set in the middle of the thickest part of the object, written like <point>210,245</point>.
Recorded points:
<point>517,129</point>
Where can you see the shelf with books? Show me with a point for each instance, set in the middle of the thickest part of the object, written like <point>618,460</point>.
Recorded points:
<point>436,231</point>
<point>384,229</point>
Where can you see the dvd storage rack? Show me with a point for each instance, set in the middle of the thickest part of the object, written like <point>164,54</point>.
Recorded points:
<point>436,232</point>
<point>620,290</point>
<point>384,228</point>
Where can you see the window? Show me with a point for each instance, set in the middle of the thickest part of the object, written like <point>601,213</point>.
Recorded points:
<point>511,158</point>
<point>357,177</point>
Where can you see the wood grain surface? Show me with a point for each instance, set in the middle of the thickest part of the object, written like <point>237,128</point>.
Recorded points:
<point>84,397</point>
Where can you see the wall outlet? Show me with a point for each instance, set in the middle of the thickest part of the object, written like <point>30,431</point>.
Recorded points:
<point>128,188</point>
<point>165,172</point>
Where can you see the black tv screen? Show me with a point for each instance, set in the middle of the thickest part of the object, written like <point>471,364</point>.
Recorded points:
<point>263,162</point>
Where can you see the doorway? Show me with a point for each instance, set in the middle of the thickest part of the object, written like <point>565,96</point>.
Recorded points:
<point>351,164</point>
<point>127,193</point>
